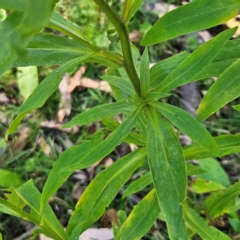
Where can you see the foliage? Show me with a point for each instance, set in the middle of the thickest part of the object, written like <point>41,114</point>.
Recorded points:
<point>140,93</point>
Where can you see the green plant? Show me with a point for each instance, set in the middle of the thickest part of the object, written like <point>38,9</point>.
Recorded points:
<point>140,93</point>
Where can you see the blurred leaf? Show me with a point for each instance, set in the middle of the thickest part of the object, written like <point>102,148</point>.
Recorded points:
<point>134,138</point>
<point>200,186</point>
<point>56,178</point>
<point>223,91</point>
<point>10,179</point>
<point>43,91</point>
<point>102,190</point>
<point>122,83</point>
<point>17,30</point>
<point>101,111</point>
<point>130,8</point>
<point>222,201</point>
<point>214,172</point>
<point>227,144</point>
<point>141,219</point>
<point>144,73</point>
<point>108,145</point>
<point>235,224</point>
<point>195,62</point>
<point>48,49</point>
<point>167,165</point>
<point>176,22</point>
<point>237,107</point>
<point>138,184</point>
<point>188,125</point>
<point>229,51</point>
<point>200,226</point>
<point>194,170</point>
<point>27,78</point>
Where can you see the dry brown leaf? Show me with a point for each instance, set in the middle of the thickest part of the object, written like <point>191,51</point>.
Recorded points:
<point>57,125</point>
<point>44,146</point>
<point>75,80</point>
<point>110,217</point>
<point>21,141</point>
<point>95,84</point>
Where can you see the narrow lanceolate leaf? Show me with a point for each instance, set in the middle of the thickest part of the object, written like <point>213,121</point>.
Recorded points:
<point>100,112</point>
<point>200,185</point>
<point>188,125</point>
<point>229,51</point>
<point>144,73</point>
<point>141,219</point>
<point>107,146</point>
<point>223,201</point>
<point>17,30</point>
<point>227,144</point>
<point>130,8</point>
<point>134,138</point>
<point>122,83</point>
<point>200,226</point>
<point>102,190</point>
<point>56,178</point>
<point>223,91</point>
<point>48,49</point>
<point>42,92</point>
<point>28,195</point>
<point>138,184</point>
<point>195,63</point>
<point>163,68</point>
<point>201,13</point>
<point>168,169</point>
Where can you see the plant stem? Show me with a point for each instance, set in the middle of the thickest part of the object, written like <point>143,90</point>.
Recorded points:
<point>125,42</point>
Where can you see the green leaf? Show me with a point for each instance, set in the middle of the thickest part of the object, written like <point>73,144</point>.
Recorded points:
<point>48,49</point>
<point>144,73</point>
<point>215,172</point>
<point>17,30</point>
<point>223,201</point>
<point>163,68</point>
<point>223,91</point>
<point>146,179</point>
<point>15,5</point>
<point>27,78</point>
<point>122,83</point>
<point>156,95</point>
<point>194,170</point>
<point>28,194</point>
<point>188,125</point>
<point>200,186</point>
<point>215,69</point>
<point>227,144</point>
<point>195,63</point>
<point>229,51</point>
<point>138,184</point>
<point>101,191</point>
<point>134,138</point>
<point>42,92</point>
<point>107,146</point>
<point>56,178</point>
<point>130,8</point>
<point>168,170</point>
<point>141,218</point>
<point>101,111</point>
<point>201,14</point>
<point>199,225</point>
<point>59,23</point>
<point>237,107</point>
<point>10,179</point>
